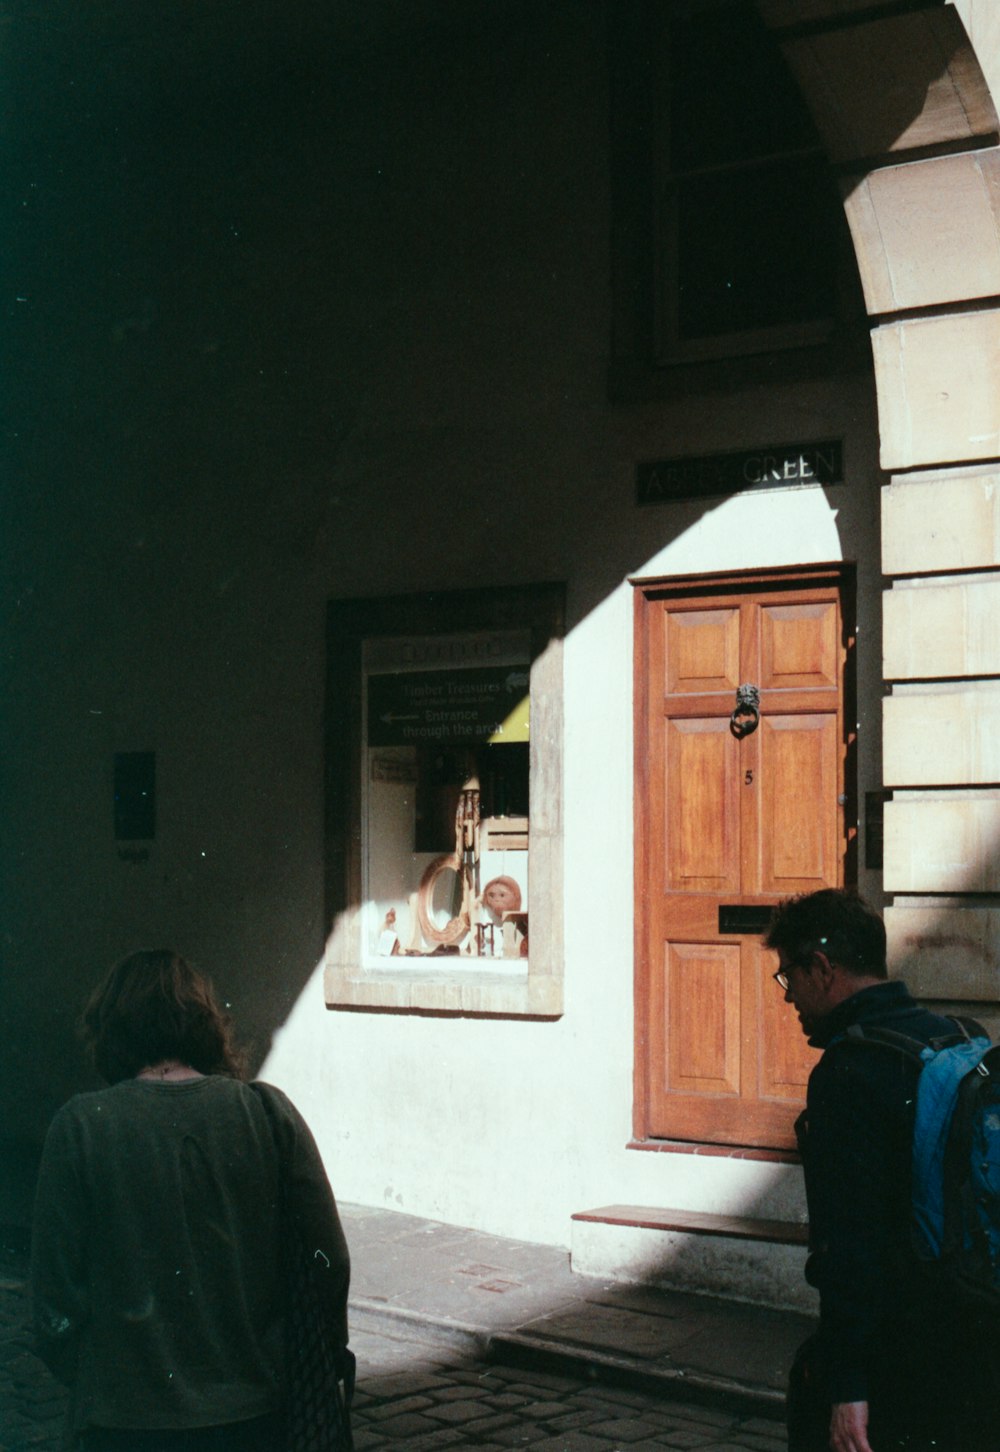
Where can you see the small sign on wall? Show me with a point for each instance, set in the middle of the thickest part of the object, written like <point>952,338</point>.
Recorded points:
<point>448,706</point>
<point>708,475</point>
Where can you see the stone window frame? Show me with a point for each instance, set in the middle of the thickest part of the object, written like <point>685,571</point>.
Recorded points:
<point>670,177</point>
<point>644,364</point>
<point>445,986</point>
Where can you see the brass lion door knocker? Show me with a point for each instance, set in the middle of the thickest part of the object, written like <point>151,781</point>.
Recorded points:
<point>746,716</point>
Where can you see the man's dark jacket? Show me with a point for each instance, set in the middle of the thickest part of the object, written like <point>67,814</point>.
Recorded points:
<point>855,1137</point>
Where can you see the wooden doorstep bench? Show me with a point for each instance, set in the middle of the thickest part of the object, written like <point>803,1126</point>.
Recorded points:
<point>695,1222</point>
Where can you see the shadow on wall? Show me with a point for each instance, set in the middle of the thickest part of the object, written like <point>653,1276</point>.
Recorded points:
<point>264,916</point>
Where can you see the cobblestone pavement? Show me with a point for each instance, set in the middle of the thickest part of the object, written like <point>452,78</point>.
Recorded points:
<point>416,1395</point>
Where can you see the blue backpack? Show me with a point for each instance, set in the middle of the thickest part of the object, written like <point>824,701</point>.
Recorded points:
<point>956,1156</point>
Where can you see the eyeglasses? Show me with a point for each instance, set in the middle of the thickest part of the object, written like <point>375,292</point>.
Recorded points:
<point>781,977</point>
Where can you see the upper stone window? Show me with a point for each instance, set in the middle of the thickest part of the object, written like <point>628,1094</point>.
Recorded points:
<point>747,212</point>
<point>731,251</point>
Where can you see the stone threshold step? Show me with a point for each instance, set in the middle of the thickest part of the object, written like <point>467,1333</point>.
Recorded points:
<point>695,1222</point>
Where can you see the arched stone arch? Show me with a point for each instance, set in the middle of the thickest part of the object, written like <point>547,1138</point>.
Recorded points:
<point>901,95</point>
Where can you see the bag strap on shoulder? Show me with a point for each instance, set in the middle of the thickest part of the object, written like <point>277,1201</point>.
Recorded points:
<point>967,1027</point>
<point>967,1031</point>
<point>892,1038</point>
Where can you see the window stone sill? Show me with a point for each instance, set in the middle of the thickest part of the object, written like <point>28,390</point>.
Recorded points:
<point>437,990</point>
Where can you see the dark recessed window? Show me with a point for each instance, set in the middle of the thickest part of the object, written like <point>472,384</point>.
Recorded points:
<point>748,216</point>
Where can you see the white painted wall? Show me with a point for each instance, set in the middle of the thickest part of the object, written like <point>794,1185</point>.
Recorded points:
<point>513,1126</point>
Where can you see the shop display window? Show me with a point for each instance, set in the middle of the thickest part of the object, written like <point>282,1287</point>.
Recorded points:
<point>444,802</point>
<point>446,797</point>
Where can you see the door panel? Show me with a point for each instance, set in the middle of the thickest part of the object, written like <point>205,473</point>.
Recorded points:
<point>799,788</point>
<point>729,820</point>
<point>702,847</point>
<point>702,650</point>
<point>800,645</point>
<point>703,1050</point>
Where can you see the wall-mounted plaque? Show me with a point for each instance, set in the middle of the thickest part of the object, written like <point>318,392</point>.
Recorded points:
<point>777,466</point>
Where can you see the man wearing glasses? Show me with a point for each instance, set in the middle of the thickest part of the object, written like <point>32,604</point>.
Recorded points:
<point>889,1364</point>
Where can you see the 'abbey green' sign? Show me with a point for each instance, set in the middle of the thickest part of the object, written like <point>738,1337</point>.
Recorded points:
<point>788,465</point>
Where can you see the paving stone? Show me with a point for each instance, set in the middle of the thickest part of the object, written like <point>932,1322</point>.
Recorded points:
<point>693,1418</point>
<point>733,1350</point>
<point>508,1373</point>
<point>688,1439</point>
<point>521,1434</point>
<point>569,1421</point>
<point>623,1396</point>
<point>553,1380</point>
<point>509,1399</point>
<point>452,1393</point>
<point>492,1425</point>
<point>411,1424</point>
<point>574,1442</point>
<point>399,1384</point>
<point>474,1376</point>
<point>455,1413</point>
<point>624,1429</point>
<point>382,1410</point>
<point>541,1409</point>
<point>598,1404</point>
<point>430,1441</point>
<point>618,1330</point>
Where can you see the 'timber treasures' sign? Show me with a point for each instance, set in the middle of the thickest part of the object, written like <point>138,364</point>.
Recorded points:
<point>735,473</point>
<point>447,707</point>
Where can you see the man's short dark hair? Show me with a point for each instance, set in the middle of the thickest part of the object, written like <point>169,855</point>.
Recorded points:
<point>833,921</point>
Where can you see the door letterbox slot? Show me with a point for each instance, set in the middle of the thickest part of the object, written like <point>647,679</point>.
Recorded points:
<point>738,918</point>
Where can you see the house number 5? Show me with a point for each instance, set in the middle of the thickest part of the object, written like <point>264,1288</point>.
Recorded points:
<point>749,777</point>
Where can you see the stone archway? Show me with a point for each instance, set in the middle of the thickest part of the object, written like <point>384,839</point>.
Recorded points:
<point>900,94</point>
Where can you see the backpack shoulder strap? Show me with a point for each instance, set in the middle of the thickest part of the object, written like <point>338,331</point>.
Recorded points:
<point>891,1038</point>
<point>967,1031</point>
<point>967,1027</point>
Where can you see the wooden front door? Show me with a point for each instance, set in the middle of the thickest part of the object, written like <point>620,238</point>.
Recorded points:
<point>726,824</point>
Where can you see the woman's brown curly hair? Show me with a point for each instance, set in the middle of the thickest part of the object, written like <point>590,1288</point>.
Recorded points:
<point>154,1006</point>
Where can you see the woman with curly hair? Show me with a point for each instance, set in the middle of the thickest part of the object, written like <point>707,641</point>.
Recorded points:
<point>163,1204</point>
